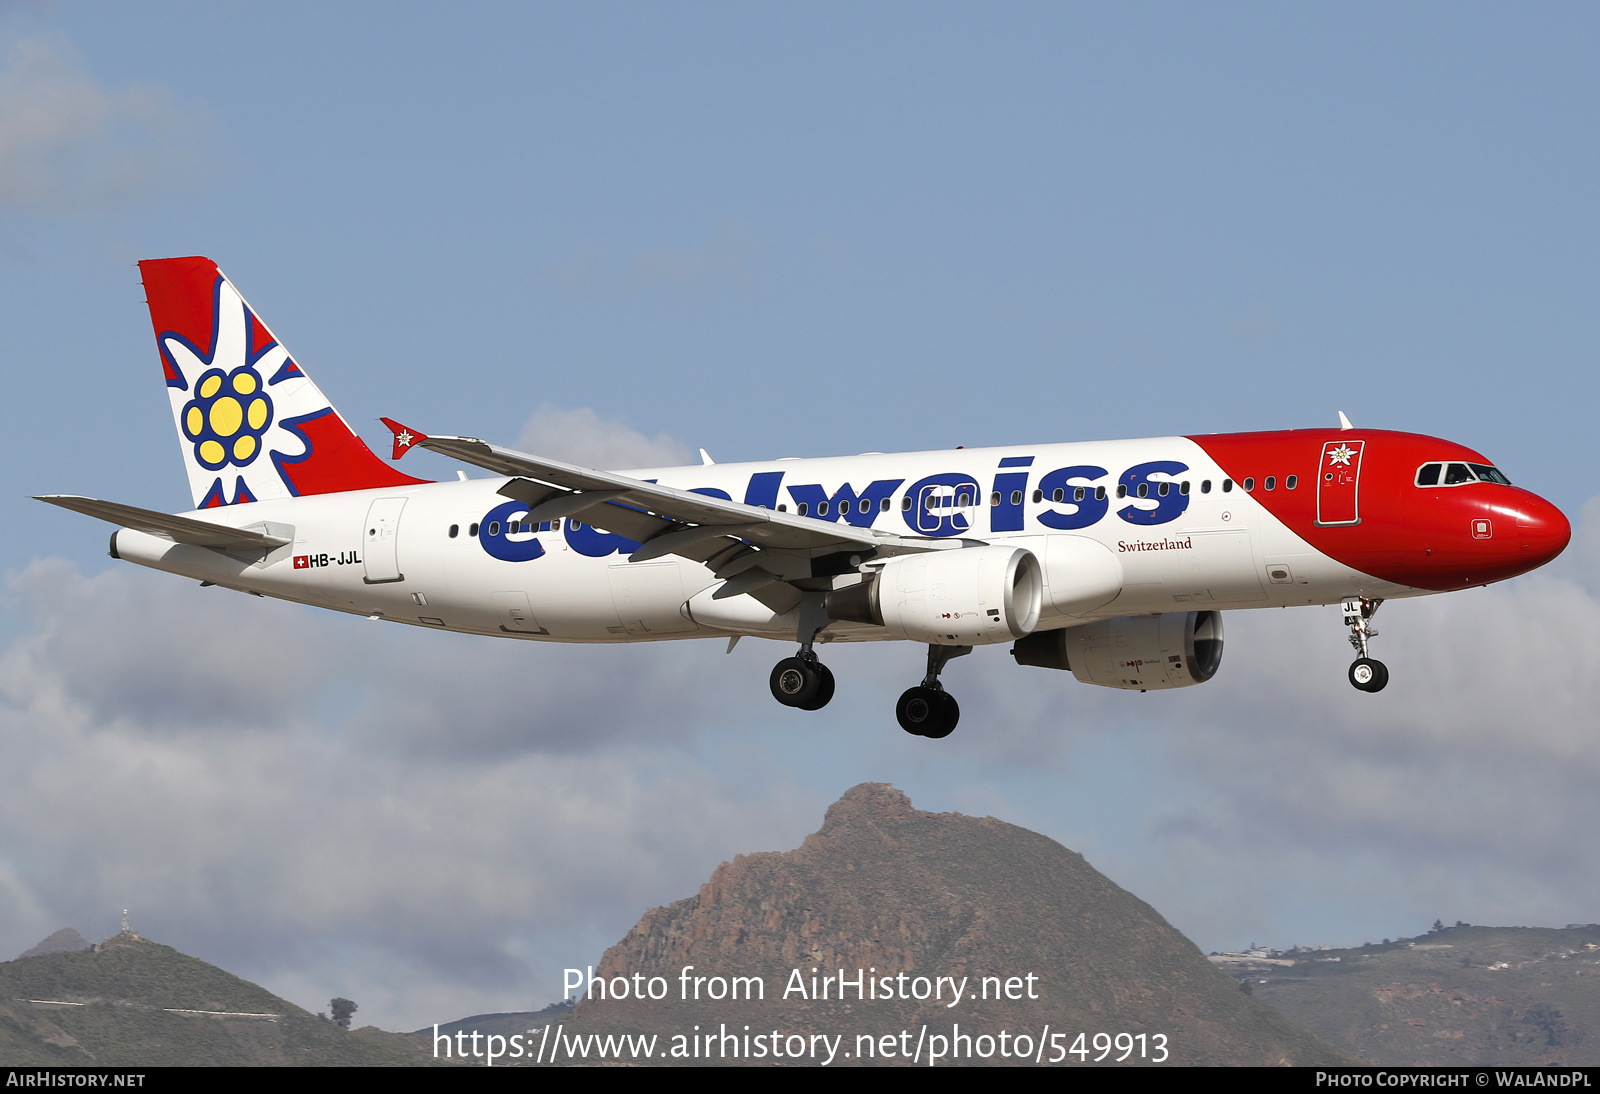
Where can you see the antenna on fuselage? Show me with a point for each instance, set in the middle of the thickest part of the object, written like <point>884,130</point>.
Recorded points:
<point>1344,423</point>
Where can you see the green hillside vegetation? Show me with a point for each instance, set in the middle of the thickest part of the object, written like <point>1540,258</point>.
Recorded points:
<point>1459,995</point>
<point>133,1002</point>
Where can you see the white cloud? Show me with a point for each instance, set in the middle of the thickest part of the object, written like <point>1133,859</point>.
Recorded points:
<point>435,825</point>
<point>425,825</point>
<point>1464,790</point>
<point>68,143</point>
<point>583,437</point>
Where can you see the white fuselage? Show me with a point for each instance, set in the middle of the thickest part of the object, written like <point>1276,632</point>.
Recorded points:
<point>424,554</point>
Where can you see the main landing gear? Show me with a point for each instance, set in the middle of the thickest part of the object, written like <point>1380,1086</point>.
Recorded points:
<point>805,683</point>
<point>928,710</point>
<point>802,681</point>
<point>1366,674</point>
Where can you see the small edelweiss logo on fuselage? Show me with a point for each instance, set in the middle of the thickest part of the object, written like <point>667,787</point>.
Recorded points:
<point>226,419</point>
<point>1341,455</point>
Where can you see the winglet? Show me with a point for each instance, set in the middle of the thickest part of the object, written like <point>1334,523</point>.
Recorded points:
<point>404,439</point>
<point>1344,423</point>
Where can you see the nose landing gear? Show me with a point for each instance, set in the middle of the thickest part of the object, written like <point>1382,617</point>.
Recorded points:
<point>1366,674</point>
<point>927,710</point>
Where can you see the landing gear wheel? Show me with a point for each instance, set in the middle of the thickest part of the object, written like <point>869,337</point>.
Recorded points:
<point>824,688</point>
<point>949,715</point>
<point>927,712</point>
<point>796,682</point>
<point>1368,675</point>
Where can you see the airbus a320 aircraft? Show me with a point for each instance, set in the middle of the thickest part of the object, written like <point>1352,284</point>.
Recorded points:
<point>1112,560</point>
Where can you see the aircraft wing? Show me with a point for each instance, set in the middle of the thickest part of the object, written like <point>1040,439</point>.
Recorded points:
<point>201,533</point>
<point>662,519</point>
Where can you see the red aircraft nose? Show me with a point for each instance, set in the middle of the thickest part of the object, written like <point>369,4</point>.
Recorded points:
<point>1488,533</point>
<point>1542,531</point>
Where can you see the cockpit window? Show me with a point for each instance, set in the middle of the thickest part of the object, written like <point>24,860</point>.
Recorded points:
<point>1459,474</point>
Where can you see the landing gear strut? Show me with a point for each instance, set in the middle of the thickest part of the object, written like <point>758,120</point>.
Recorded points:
<point>802,681</point>
<point>1366,674</point>
<point>927,710</point>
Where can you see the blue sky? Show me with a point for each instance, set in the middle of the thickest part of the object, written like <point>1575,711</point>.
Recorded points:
<point>604,230</point>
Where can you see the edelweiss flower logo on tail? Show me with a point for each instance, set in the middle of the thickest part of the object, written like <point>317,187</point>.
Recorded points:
<point>229,405</point>
<point>227,418</point>
<point>253,425</point>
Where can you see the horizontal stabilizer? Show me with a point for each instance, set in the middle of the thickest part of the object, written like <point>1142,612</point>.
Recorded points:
<point>200,533</point>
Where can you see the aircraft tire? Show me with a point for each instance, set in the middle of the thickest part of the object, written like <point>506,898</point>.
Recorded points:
<point>949,715</point>
<point>795,683</point>
<point>927,712</point>
<point>1368,675</point>
<point>824,688</point>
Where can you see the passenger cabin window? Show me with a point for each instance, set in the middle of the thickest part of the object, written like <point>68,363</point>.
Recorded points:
<point>1227,485</point>
<point>455,530</point>
<point>1272,482</point>
<point>1291,482</point>
<point>1249,483</point>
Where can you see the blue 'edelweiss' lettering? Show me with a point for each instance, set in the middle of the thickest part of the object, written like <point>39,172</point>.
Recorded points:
<point>1169,497</point>
<point>941,504</point>
<point>859,510</point>
<point>938,505</point>
<point>1086,505</point>
<point>497,528</point>
<point>1005,512</point>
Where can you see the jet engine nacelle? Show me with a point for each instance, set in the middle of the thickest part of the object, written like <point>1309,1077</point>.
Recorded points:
<point>971,596</point>
<point>1132,652</point>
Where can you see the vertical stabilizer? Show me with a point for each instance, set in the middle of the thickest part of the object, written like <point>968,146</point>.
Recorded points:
<point>252,425</point>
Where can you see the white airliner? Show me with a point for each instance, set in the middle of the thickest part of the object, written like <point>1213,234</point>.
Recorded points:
<point>1110,559</point>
